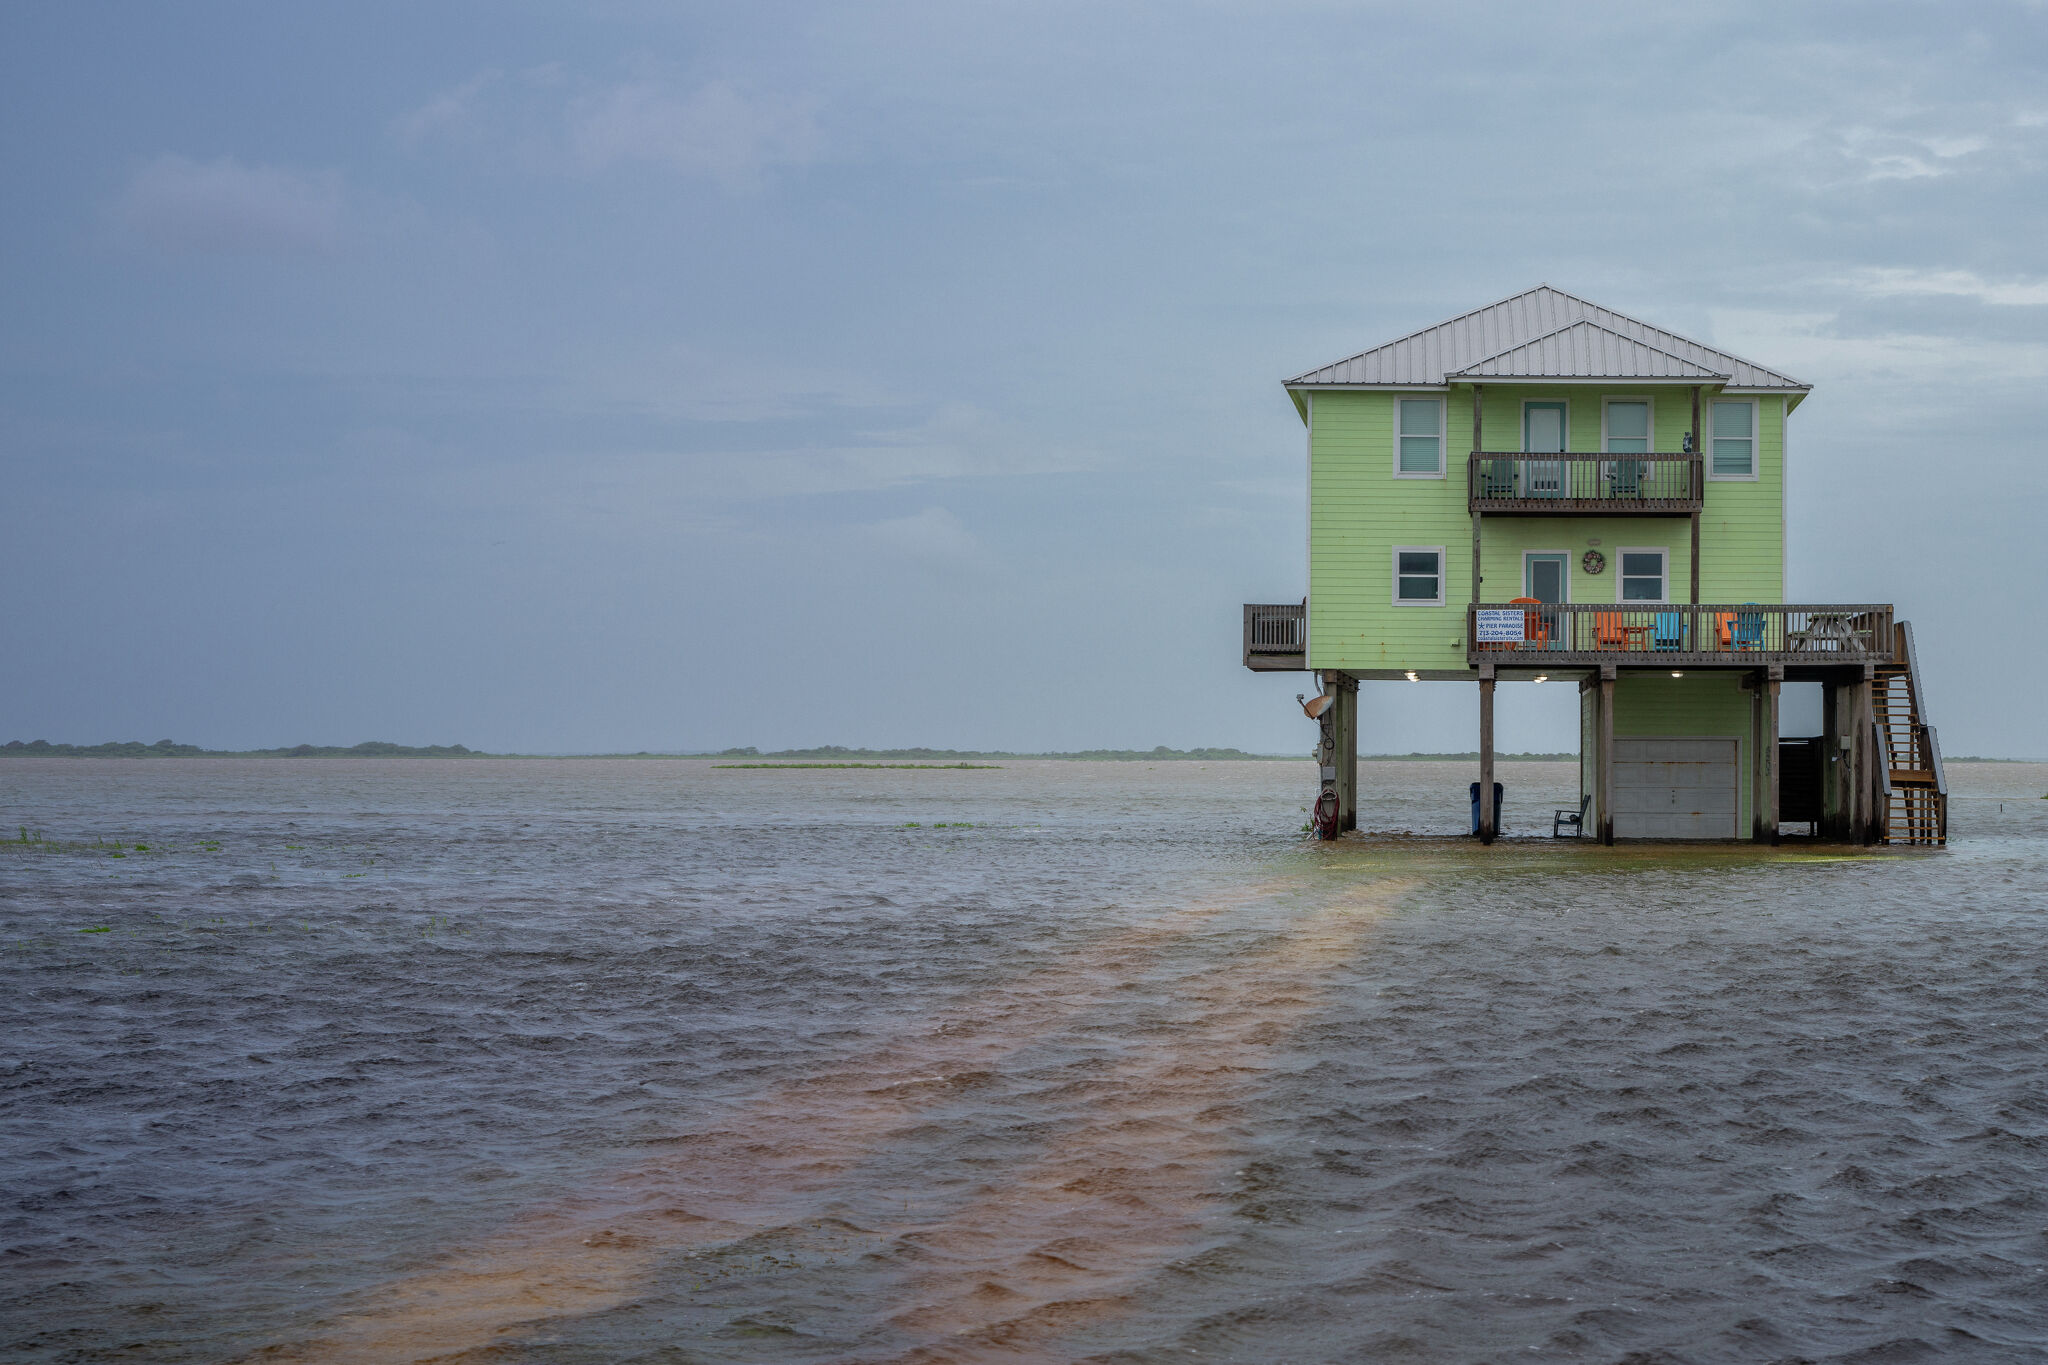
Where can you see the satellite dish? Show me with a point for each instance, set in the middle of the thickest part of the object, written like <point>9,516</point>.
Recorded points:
<point>1314,707</point>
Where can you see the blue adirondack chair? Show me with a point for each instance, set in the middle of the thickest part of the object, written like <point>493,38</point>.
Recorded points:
<point>1668,631</point>
<point>1747,630</point>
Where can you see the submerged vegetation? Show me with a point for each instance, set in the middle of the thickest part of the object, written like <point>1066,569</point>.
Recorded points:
<point>928,767</point>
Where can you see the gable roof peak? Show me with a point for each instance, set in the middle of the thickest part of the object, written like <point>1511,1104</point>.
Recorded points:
<point>1627,348</point>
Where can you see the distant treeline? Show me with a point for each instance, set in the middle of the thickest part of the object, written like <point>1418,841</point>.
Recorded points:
<point>164,748</point>
<point>377,748</point>
<point>834,751</point>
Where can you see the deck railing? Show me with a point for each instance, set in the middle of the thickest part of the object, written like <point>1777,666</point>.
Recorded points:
<point>1276,635</point>
<point>1651,483</point>
<point>1656,634</point>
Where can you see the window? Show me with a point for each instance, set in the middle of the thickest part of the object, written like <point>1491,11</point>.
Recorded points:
<point>1419,438</point>
<point>1733,446</point>
<point>1628,426</point>
<point>1418,575</point>
<point>1642,575</point>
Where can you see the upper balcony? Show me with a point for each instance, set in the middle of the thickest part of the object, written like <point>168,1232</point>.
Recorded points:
<point>1276,637</point>
<point>1548,635</point>
<point>1653,483</point>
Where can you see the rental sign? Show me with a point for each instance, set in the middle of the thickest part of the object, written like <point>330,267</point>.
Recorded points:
<point>1496,627</point>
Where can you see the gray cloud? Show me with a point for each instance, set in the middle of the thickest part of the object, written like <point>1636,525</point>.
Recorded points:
<point>717,129</point>
<point>223,205</point>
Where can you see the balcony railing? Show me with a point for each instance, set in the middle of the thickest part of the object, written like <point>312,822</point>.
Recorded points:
<point>1276,637</point>
<point>1743,635</point>
<point>1650,484</point>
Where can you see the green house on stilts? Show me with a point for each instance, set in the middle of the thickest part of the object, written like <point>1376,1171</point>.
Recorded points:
<point>1616,518</point>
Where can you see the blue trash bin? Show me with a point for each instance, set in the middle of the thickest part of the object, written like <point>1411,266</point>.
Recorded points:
<point>1497,789</point>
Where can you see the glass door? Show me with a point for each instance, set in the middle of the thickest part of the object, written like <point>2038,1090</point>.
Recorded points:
<point>1543,432</point>
<point>1543,578</point>
<point>1628,433</point>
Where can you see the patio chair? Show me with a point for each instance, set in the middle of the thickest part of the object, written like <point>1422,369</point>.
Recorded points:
<point>1610,630</point>
<point>1565,818</point>
<point>1749,629</point>
<point>1496,478</point>
<point>1625,479</point>
<point>1535,624</point>
<point>1724,628</point>
<point>1667,631</point>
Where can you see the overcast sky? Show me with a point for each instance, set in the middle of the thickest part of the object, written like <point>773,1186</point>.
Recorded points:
<point>676,376</point>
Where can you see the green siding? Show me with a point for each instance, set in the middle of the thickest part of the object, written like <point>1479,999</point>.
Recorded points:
<point>1359,510</point>
<point>1699,705</point>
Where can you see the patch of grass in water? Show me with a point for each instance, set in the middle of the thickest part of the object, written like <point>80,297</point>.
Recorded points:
<point>933,767</point>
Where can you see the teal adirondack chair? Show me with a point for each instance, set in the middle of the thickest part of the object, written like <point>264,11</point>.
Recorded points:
<point>1747,630</point>
<point>1668,630</point>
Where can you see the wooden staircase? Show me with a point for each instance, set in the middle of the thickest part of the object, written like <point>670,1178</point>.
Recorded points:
<point>1912,789</point>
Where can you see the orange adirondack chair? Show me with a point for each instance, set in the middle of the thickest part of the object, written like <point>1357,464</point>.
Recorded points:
<point>1610,630</point>
<point>1535,626</point>
<point>1724,628</point>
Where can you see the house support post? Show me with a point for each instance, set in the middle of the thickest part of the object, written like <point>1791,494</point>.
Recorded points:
<point>1489,818</point>
<point>1862,752</point>
<point>1699,491</point>
<point>1345,711</point>
<point>1774,679</point>
<point>1833,805</point>
<point>1695,558</point>
<point>1476,391</point>
<point>1606,775</point>
<point>1756,757</point>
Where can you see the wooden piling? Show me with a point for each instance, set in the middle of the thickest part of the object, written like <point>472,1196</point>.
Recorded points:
<point>1346,711</point>
<point>1606,798</point>
<point>1489,818</point>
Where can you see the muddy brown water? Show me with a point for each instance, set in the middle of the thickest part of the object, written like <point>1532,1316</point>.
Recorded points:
<point>587,1060</point>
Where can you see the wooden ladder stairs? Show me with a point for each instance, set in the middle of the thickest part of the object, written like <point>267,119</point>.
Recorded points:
<point>1912,787</point>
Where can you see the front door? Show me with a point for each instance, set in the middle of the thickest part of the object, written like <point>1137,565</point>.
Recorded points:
<point>1543,579</point>
<point>1543,431</point>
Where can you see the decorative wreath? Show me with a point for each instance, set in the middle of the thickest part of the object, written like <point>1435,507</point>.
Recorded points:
<point>1593,561</point>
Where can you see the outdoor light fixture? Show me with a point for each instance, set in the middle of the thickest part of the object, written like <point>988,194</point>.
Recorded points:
<point>1678,675</point>
<point>1542,677</point>
<point>1413,678</point>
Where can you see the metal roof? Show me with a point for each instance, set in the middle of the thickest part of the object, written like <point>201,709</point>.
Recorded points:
<point>1534,321</point>
<point>1586,350</point>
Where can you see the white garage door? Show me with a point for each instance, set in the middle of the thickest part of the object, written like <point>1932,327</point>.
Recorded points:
<point>1674,789</point>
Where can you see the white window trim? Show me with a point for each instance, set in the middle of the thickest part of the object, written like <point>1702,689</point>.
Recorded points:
<point>1756,441</point>
<point>1645,399</point>
<point>1565,555</point>
<point>1621,553</point>
<point>1443,419</point>
<point>1443,565</point>
<point>1522,436</point>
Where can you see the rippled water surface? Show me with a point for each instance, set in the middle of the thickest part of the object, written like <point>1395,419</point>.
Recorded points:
<point>587,1061</point>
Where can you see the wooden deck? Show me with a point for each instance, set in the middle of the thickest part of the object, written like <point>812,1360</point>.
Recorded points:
<point>1674,635</point>
<point>1658,483</point>
<point>1276,637</point>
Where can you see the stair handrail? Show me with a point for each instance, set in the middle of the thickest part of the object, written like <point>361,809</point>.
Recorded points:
<point>1882,749</point>
<point>1934,761</point>
<point>1902,631</point>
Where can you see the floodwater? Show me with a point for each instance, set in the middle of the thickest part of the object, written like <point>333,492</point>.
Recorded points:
<point>596,1061</point>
